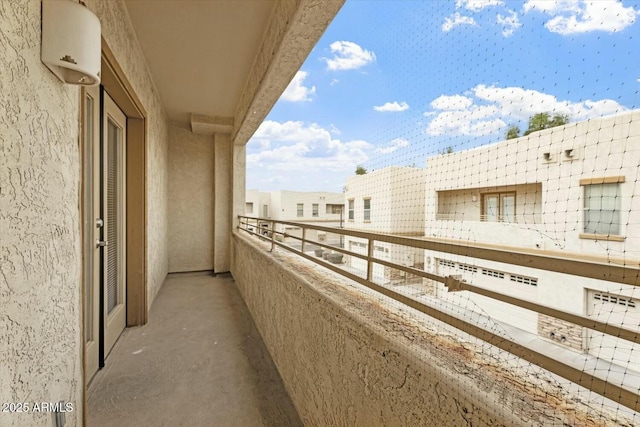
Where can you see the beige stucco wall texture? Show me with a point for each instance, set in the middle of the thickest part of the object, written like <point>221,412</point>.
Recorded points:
<point>119,35</point>
<point>190,200</point>
<point>40,220</point>
<point>348,357</point>
<point>40,264</point>
<point>222,201</point>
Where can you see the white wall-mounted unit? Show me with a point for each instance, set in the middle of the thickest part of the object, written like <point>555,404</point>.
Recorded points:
<point>71,44</point>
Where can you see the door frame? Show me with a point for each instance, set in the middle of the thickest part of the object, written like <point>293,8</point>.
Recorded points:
<point>113,323</point>
<point>121,91</point>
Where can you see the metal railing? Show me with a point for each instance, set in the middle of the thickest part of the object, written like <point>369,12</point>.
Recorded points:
<point>609,270</point>
<point>521,218</point>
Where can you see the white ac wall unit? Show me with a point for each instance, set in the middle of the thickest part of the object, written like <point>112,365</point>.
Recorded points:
<point>71,43</point>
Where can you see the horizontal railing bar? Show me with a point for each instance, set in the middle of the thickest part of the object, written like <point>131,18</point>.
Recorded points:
<point>321,262</point>
<point>410,270</point>
<point>557,262</point>
<point>252,233</point>
<point>586,322</point>
<point>584,379</point>
<point>337,249</point>
<point>324,245</point>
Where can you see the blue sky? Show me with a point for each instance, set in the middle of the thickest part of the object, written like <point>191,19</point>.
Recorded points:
<point>393,82</point>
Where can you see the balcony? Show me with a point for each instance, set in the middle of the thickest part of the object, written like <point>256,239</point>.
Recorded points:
<point>340,343</point>
<point>199,361</point>
<point>498,231</point>
<point>354,340</point>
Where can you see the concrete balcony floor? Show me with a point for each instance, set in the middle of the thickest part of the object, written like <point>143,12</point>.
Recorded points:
<point>198,362</point>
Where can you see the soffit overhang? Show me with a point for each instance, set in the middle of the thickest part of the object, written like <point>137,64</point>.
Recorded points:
<point>226,61</point>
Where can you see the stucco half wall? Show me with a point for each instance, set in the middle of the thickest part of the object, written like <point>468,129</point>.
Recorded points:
<point>350,357</point>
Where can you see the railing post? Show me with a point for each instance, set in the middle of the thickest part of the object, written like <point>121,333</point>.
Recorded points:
<point>304,238</point>
<point>273,235</point>
<point>370,260</point>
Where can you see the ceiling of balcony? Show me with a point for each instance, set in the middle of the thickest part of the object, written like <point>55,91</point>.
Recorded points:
<point>200,53</point>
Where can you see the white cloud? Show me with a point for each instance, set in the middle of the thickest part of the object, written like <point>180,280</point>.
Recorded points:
<point>584,16</point>
<point>392,106</point>
<point>492,107</point>
<point>510,23</point>
<point>296,91</point>
<point>477,5</point>
<point>393,146</point>
<point>523,103</point>
<point>348,56</point>
<point>456,20</point>
<point>334,82</point>
<point>486,127</point>
<point>263,144</point>
<point>453,102</point>
<point>476,120</point>
<point>296,146</point>
<point>552,7</point>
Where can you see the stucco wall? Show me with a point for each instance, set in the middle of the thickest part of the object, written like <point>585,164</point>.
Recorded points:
<point>223,199</point>
<point>395,192</point>
<point>190,200</point>
<point>119,35</point>
<point>604,147</point>
<point>40,262</point>
<point>40,222</point>
<point>287,209</point>
<point>348,357</point>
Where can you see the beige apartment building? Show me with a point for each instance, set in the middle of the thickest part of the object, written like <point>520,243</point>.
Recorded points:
<point>310,207</point>
<point>390,201</point>
<point>565,190</point>
<point>570,190</point>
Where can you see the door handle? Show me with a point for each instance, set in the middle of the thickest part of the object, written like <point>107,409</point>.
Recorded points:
<point>101,243</point>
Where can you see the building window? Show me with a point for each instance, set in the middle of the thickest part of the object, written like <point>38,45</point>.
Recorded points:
<point>300,209</point>
<point>467,267</point>
<point>248,208</point>
<point>334,209</point>
<point>351,214</point>
<point>367,209</point>
<point>314,209</point>
<point>265,211</point>
<point>523,279</point>
<point>446,263</point>
<point>602,209</point>
<point>499,207</point>
<point>493,273</point>
<point>615,299</point>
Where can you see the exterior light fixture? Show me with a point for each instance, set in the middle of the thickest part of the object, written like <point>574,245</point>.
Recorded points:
<point>71,46</point>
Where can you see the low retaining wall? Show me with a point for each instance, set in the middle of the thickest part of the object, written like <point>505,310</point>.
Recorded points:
<point>350,357</point>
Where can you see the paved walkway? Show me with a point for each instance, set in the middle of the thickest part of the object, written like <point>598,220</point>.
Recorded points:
<point>198,362</point>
